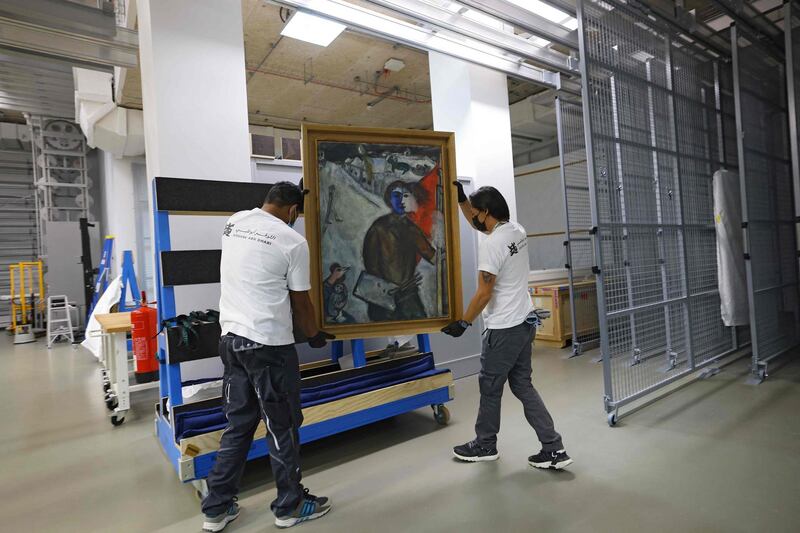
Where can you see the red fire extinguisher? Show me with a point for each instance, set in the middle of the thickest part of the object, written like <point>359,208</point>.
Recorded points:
<point>144,333</point>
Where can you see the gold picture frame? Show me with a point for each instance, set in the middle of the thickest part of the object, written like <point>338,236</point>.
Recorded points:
<point>447,259</point>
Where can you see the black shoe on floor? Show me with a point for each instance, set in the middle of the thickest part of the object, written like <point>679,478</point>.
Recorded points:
<point>554,460</point>
<point>472,452</point>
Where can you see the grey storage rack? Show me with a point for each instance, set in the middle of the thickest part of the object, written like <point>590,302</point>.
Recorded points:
<point>768,211</point>
<point>577,221</point>
<point>655,131</point>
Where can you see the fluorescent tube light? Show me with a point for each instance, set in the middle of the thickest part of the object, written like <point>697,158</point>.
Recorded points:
<point>312,29</point>
<point>419,37</point>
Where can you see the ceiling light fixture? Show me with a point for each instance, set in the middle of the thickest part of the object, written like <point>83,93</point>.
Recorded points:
<point>312,29</point>
<point>436,40</point>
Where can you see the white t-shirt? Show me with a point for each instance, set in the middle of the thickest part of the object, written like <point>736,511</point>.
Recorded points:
<point>262,260</point>
<point>504,253</point>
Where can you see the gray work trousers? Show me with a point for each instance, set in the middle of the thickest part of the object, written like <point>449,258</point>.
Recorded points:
<point>506,356</point>
<point>259,383</point>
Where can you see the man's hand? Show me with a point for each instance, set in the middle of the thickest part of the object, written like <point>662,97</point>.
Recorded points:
<point>456,329</point>
<point>462,197</point>
<point>320,339</point>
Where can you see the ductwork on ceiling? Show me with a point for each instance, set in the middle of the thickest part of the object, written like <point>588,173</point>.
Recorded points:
<point>117,130</point>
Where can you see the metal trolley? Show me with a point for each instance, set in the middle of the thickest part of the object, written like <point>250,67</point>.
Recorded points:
<point>193,457</point>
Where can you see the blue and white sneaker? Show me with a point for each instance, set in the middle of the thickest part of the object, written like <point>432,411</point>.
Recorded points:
<point>218,523</point>
<point>310,508</point>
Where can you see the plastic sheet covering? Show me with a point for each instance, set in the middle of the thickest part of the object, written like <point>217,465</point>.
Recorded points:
<point>730,249</point>
<point>104,303</point>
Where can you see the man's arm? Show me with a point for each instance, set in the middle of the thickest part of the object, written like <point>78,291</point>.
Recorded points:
<point>481,297</point>
<point>463,203</point>
<point>303,318</point>
<point>479,300</point>
<point>303,313</point>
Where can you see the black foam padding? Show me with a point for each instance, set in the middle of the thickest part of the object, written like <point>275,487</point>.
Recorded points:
<point>188,195</point>
<point>190,267</point>
<point>194,406</point>
<point>202,344</point>
<point>330,366</point>
<point>333,377</point>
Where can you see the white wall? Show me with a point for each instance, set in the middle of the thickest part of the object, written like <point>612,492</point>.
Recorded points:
<point>472,101</point>
<point>540,208</point>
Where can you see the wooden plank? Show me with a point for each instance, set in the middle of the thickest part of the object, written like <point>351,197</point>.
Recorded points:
<point>209,442</point>
<point>114,322</point>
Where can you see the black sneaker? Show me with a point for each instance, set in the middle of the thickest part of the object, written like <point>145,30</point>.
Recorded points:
<point>310,508</point>
<point>554,460</point>
<point>472,452</point>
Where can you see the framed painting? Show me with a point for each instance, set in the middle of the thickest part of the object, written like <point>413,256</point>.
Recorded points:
<point>381,221</point>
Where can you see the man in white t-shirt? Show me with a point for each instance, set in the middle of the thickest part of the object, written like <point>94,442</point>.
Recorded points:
<point>502,297</point>
<point>264,277</point>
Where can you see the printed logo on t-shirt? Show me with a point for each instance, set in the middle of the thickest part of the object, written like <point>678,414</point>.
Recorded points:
<point>253,235</point>
<point>227,231</point>
<point>512,248</point>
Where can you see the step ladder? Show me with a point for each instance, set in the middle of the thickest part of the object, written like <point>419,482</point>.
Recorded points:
<point>103,274</point>
<point>59,320</point>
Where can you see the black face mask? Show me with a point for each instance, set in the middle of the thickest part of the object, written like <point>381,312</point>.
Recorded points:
<point>480,226</point>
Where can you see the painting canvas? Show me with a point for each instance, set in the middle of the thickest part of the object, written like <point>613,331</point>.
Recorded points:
<point>382,230</point>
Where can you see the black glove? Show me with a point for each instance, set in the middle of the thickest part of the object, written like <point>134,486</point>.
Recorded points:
<point>456,329</point>
<point>320,339</point>
<point>462,197</point>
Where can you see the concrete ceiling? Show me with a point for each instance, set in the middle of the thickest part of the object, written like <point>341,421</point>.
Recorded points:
<point>290,81</point>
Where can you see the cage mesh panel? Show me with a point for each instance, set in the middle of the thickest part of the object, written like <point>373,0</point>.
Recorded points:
<point>575,182</point>
<point>660,127</point>
<point>767,184</point>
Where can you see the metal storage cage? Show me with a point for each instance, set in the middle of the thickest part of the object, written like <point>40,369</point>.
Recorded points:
<point>768,211</point>
<point>577,222</point>
<point>655,128</point>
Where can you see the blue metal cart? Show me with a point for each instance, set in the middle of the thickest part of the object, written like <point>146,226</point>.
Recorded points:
<point>406,384</point>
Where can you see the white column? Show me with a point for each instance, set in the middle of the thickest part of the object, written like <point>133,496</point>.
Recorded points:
<point>472,101</point>
<point>194,93</point>
<point>118,207</point>
<point>194,98</point>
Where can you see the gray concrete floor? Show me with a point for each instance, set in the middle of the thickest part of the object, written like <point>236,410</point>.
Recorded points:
<point>718,455</point>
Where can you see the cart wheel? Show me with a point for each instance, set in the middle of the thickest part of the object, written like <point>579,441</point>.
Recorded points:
<point>441,414</point>
<point>612,419</point>
<point>117,420</point>
<point>112,403</point>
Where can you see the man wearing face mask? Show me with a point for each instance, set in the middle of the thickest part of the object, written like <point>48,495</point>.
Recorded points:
<point>502,297</point>
<point>264,278</point>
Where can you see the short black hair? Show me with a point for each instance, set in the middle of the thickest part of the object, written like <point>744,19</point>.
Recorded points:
<point>286,193</point>
<point>490,199</point>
